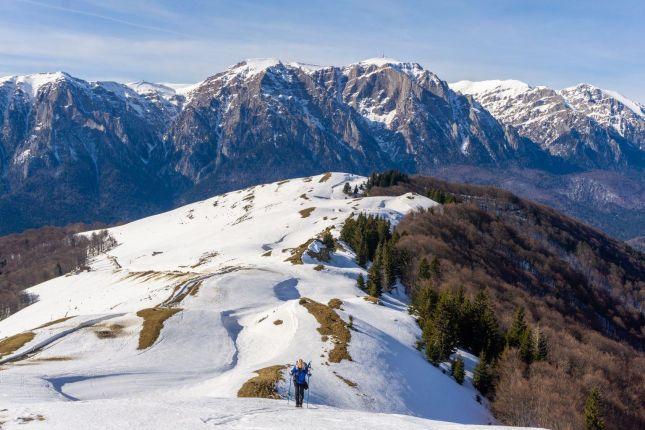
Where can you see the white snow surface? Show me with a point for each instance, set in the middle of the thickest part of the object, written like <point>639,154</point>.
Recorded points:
<point>235,245</point>
<point>31,84</point>
<point>509,87</point>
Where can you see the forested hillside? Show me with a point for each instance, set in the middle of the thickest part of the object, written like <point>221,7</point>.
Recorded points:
<point>555,308</point>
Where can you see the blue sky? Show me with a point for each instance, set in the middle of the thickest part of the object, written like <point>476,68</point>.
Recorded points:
<point>555,43</point>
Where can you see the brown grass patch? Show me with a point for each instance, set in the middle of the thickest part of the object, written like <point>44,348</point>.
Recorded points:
<point>296,253</point>
<point>30,418</point>
<point>58,321</point>
<point>306,212</point>
<point>319,267</point>
<point>330,325</point>
<point>109,332</point>
<point>267,254</point>
<point>205,258</point>
<point>347,381</point>
<point>175,300</point>
<point>153,320</point>
<point>335,303</point>
<point>371,299</point>
<point>56,358</point>
<point>264,384</point>
<point>325,177</point>
<point>277,322</point>
<point>13,343</point>
<point>304,196</point>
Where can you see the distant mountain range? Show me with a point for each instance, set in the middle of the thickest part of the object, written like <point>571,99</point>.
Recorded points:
<point>72,150</point>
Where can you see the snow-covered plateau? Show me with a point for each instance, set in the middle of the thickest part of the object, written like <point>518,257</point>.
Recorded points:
<point>232,270</point>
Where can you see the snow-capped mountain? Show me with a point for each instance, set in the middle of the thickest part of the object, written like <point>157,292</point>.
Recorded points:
<point>73,150</point>
<point>233,275</point>
<point>592,127</point>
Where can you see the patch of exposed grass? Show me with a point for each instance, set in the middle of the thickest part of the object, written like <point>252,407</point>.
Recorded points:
<point>30,418</point>
<point>50,323</point>
<point>109,332</point>
<point>335,303</point>
<point>319,267</point>
<point>347,381</point>
<point>277,322</point>
<point>56,358</point>
<point>283,182</point>
<point>296,253</point>
<point>267,254</point>
<point>13,343</point>
<point>205,258</point>
<point>325,177</point>
<point>263,385</point>
<point>153,321</point>
<point>306,212</point>
<point>330,325</point>
<point>175,300</point>
<point>304,196</point>
<point>371,299</point>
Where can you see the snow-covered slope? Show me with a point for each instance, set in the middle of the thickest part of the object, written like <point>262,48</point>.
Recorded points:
<point>222,263</point>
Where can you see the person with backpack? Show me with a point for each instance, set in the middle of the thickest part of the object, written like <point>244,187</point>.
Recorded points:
<point>299,373</point>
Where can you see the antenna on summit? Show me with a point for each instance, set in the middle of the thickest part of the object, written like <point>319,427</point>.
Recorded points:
<point>382,54</point>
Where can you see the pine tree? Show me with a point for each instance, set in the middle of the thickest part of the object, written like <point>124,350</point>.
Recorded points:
<point>517,328</point>
<point>483,376</point>
<point>526,346</point>
<point>355,190</point>
<point>361,253</point>
<point>446,324</point>
<point>424,301</point>
<point>593,416</point>
<point>457,370</point>
<point>328,240</point>
<point>540,346</point>
<point>360,282</point>
<point>347,189</point>
<point>435,269</point>
<point>387,265</point>
<point>433,343</point>
<point>374,283</point>
<point>424,269</point>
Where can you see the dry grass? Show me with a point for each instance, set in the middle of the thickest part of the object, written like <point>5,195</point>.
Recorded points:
<point>335,303</point>
<point>304,196</point>
<point>267,254</point>
<point>277,322</point>
<point>283,182</point>
<point>325,177</point>
<point>58,321</point>
<point>319,267</point>
<point>56,358</point>
<point>109,332</point>
<point>175,300</point>
<point>153,320</point>
<point>13,343</point>
<point>296,253</point>
<point>330,325</point>
<point>205,258</point>
<point>371,299</point>
<point>30,418</point>
<point>306,212</point>
<point>347,381</point>
<point>264,384</point>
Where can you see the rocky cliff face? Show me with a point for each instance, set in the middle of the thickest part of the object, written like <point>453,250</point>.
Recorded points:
<point>72,150</point>
<point>585,125</point>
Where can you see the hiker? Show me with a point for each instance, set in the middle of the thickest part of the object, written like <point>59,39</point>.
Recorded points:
<point>300,372</point>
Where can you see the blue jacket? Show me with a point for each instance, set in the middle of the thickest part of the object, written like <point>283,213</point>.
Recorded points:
<point>300,375</point>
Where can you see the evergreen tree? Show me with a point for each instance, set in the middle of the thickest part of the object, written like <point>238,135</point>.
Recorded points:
<point>445,324</point>
<point>374,284</point>
<point>347,189</point>
<point>424,269</point>
<point>593,416</point>
<point>435,269</point>
<point>328,240</point>
<point>483,376</point>
<point>361,254</point>
<point>482,333</point>
<point>424,301</point>
<point>360,282</point>
<point>457,370</point>
<point>433,344</point>
<point>355,190</point>
<point>540,346</point>
<point>526,346</point>
<point>518,327</point>
<point>387,265</point>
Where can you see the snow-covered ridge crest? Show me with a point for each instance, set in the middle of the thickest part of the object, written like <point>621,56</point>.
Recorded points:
<point>31,84</point>
<point>233,268</point>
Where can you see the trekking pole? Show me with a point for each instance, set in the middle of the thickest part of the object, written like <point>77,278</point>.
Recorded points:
<point>308,379</point>
<point>289,392</point>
